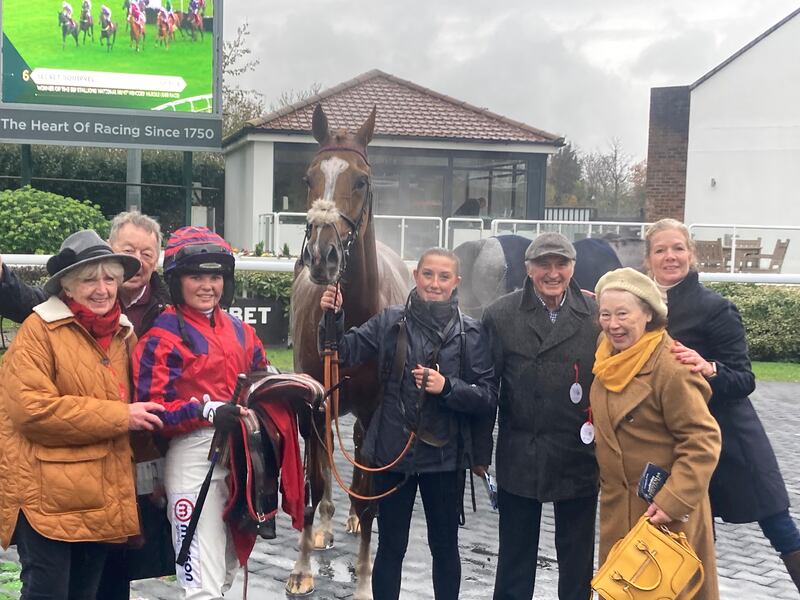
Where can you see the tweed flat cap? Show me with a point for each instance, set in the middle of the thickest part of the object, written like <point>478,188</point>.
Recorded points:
<point>550,243</point>
<point>638,284</point>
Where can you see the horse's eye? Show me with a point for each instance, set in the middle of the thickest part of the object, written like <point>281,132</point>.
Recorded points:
<point>360,183</point>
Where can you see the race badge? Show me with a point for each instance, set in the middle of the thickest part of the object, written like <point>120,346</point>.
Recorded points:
<point>181,507</point>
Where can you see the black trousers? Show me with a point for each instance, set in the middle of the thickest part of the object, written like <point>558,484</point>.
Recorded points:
<point>440,497</point>
<point>155,559</point>
<point>520,519</point>
<point>53,570</point>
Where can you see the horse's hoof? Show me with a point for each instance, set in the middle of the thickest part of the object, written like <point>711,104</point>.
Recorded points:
<point>353,525</point>
<point>323,541</point>
<point>300,585</point>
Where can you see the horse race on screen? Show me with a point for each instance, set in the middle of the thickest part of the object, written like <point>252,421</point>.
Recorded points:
<point>140,54</point>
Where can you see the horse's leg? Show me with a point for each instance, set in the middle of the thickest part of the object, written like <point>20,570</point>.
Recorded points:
<point>323,535</point>
<point>364,512</point>
<point>301,580</point>
<point>353,524</point>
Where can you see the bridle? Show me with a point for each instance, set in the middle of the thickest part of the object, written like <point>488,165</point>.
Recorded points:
<point>343,245</point>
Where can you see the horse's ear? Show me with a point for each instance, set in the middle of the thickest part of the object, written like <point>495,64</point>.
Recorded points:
<point>364,134</point>
<point>319,125</point>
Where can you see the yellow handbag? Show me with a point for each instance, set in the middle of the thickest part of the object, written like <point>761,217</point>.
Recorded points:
<point>649,563</point>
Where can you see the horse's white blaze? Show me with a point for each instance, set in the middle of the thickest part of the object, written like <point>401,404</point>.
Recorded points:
<point>323,211</point>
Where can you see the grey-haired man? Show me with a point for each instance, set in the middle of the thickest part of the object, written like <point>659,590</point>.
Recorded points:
<point>543,340</point>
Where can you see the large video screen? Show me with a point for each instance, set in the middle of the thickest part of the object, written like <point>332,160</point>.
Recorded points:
<point>155,55</point>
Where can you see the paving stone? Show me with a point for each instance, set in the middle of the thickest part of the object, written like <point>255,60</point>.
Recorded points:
<point>748,567</point>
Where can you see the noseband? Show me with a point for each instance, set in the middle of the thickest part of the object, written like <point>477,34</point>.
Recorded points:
<point>355,224</point>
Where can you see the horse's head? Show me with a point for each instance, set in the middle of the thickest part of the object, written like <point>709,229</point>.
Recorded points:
<point>339,196</point>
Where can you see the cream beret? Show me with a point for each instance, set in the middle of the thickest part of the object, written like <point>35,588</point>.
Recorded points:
<point>638,284</point>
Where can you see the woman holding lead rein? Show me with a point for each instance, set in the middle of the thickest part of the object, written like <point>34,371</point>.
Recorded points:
<point>442,378</point>
<point>747,485</point>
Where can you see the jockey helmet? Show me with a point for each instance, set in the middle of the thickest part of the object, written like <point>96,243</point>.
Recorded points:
<point>198,250</point>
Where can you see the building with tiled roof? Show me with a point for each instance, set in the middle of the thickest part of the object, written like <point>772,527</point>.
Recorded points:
<point>433,157</point>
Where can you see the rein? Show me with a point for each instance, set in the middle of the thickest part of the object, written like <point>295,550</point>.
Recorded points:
<point>330,356</point>
<point>330,353</point>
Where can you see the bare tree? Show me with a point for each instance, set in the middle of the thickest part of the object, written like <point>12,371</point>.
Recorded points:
<point>291,96</point>
<point>239,105</point>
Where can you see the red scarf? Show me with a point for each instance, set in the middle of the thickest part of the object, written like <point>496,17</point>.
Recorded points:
<point>102,327</point>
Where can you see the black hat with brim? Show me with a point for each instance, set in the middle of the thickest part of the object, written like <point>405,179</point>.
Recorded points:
<point>83,248</point>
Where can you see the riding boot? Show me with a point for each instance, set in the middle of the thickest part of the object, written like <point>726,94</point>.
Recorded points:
<point>792,562</point>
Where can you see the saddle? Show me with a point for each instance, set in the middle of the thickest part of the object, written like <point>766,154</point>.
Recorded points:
<point>264,458</point>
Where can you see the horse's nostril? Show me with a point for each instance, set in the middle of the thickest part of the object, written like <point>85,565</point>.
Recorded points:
<point>333,255</point>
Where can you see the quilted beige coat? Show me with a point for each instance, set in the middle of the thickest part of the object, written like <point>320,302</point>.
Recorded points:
<point>661,417</point>
<point>65,459</point>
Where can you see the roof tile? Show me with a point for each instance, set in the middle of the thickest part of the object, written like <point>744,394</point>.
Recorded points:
<point>405,109</point>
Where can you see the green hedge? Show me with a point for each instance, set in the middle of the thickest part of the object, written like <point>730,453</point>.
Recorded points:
<point>771,315</point>
<point>36,222</point>
<point>110,164</point>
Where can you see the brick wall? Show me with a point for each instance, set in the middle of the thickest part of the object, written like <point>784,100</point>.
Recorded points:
<point>667,145</point>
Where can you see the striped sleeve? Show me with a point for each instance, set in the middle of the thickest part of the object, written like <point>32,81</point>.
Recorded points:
<point>157,367</point>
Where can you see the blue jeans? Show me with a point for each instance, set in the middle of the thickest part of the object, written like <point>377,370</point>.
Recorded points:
<point>781,532</point>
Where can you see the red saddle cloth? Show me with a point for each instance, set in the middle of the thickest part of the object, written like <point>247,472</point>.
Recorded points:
<point>276,398</point>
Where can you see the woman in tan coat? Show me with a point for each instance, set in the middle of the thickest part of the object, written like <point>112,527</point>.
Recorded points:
<point>648,407</point>
<point>65,460</point>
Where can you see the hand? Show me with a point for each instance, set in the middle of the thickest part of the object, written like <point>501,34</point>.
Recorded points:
<point>480,470</point>
<point>141,416</point>
<point>223,415</point>
<point>435,383</point>
<point>690,357</point>
<point>657,516</point>
<point>331,298</point>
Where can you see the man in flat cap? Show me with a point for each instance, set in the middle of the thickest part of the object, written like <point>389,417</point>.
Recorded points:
<point>543,341</point>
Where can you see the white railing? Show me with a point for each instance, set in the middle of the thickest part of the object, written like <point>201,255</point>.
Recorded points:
<point>286,265</point>
<point>454,235</point>
<point>419,239</point>
<point>577,229</point>
<point>733,238</point>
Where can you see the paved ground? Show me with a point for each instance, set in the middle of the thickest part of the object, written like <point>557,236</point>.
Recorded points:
<point>748,568</point>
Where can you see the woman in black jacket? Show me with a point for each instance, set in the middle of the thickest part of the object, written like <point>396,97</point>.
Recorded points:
<point>747,485</point>
<point>445,351</point>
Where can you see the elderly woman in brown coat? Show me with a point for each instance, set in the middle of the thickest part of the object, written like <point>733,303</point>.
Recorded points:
<point>647,407</point>
<point>65,459</point>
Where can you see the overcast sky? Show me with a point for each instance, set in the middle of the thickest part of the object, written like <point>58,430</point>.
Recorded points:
<point>582,69</point>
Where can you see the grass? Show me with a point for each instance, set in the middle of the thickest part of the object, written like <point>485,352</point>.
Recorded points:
<point>777,371</point>
<point>32,28</point>
<point>281,357</point>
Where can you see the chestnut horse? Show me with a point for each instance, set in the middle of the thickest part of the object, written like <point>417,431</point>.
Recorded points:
<point>340,246</point>
<point>137,33</point>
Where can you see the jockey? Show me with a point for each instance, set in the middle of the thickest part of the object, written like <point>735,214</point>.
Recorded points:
<point>66,10</point>
<point>188,362</point>
<point>105,12</point>
<point>194,8</point>
<point>87,5</point>
<point>137,13</point>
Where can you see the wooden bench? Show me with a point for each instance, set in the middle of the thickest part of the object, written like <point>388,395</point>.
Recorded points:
<point>709,255</point>
<point>752,262</point>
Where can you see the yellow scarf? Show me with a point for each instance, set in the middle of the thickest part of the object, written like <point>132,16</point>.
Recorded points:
<point>615,371</point>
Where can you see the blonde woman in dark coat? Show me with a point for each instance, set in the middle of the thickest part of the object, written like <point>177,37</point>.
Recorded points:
<point>648,407</point>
